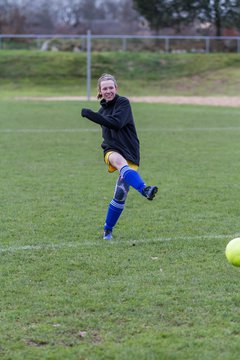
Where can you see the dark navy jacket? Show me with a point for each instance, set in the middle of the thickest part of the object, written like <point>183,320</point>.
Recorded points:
<point>118,127</point>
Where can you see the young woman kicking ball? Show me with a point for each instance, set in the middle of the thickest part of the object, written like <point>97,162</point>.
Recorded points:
<point>120,147</point>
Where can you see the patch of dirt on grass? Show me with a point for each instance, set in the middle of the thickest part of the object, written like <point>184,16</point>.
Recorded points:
<point>196,100</point>
<point>233,101</point>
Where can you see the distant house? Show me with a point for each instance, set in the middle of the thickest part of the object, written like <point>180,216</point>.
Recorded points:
<point>114,27</point>
<point>231,32</point>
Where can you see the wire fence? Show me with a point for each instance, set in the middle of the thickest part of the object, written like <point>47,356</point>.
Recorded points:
<point>166,43</point>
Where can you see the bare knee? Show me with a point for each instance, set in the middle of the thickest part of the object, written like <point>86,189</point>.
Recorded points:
<point>117,160</point>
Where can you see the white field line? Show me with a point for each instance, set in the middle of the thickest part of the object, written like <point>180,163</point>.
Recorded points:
<point>194,129</point>
<point>79,130</point>
<point>47,130</point>
<point>65,245</point>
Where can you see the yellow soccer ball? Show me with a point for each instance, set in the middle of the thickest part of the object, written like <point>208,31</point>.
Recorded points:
<point>233,252</point>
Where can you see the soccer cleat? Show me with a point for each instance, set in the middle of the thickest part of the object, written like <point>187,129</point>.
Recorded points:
<point>149,192</point>
<point>107,235</point>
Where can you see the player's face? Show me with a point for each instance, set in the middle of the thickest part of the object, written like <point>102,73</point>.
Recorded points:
<point>108,90</point>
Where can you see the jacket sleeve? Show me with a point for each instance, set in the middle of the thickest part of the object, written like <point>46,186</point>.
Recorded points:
<point>116,120</point>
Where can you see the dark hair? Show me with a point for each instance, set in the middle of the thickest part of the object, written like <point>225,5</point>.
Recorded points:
<point>104,77</point>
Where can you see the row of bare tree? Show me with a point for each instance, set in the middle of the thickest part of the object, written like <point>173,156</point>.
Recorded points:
<point>69,17</point>
<point>117,16</point>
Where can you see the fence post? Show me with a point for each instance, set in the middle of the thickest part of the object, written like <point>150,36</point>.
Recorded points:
<point>89,65</point>
<point>207,45</point>
<point>124,44</point>
<point>238,45</point>
<point>167,40</point>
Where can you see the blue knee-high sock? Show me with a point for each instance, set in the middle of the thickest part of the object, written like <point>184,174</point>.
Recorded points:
<point>132,178</point>
<point>115,209</point>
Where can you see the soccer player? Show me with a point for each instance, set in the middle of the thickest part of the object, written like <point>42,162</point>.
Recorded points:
<point>120,147</point>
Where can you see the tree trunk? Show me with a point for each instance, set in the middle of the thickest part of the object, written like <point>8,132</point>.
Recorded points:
<point>218,23</point>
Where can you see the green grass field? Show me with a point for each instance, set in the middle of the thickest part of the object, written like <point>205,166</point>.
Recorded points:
<point>162,289</point>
